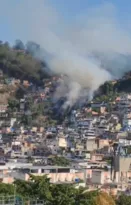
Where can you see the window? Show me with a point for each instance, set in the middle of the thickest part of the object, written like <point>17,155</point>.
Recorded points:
<point>63,170</point>
<point>46,171</point>
<point>34,171</point>
<point>53,170</point>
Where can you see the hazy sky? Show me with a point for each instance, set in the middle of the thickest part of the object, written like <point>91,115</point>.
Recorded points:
<point>67,8</point>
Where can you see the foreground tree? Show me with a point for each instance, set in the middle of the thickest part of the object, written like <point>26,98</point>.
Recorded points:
<point>6,189</point>
<point>60,194</point>
<point>36,187</point>
<point>123,200</point>
<point>103,198</point>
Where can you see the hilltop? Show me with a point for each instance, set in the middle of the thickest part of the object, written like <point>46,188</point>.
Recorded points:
<point>18,62</point>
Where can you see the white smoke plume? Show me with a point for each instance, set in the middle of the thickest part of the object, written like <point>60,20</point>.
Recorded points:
<point>71,46</point>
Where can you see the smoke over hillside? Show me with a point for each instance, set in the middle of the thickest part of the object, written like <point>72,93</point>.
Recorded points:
<point>90,49</point>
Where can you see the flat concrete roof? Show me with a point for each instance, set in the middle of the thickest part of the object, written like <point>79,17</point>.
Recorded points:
<point>45,167</point>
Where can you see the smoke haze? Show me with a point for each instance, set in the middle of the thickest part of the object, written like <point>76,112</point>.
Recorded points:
<point>72,48</point>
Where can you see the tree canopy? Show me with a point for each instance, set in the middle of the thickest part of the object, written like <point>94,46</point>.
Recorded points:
<point>19,61</point>
<point>39,187</point>
<point>60,161</point>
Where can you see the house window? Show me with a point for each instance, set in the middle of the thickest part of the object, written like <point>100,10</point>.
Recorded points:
<point>34,171</point>
<point>53,170</point>
<point>63,170</point>
<point>45,171</point>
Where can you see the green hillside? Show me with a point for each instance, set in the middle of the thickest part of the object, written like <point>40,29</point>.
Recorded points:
<point>19,63</point>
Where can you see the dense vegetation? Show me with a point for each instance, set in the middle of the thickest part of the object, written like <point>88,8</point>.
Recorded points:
<point>112,89</point>
<point>60,161</point>
<point>19,61</point>
<point>39,187</point>
<point>56,194</point>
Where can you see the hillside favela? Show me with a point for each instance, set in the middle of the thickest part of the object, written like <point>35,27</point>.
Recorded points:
<point>65,102</point>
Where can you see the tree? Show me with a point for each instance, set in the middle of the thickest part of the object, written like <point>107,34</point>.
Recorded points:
<point>36,187</point>
<point>24,188</point>
<point>13,103</point>
<point>123,200</point>
<point>6,44</point>
<point>22,65</point>
<point>63,194</point>
<point>6,189</point>
<point>103,198</point>
<point>39,187</point>
<point>84,197</point>
<point>60,161</point>
<point>29,120</point>
<point>19,45</point>
<point>20,93</point>
<point>129,150</point>
<point>32,47</point>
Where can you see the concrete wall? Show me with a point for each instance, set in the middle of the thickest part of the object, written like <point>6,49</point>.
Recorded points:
<point>91,145</point>
<point>62,142</point>
<point>96,177</point>
<point>100,177</point>
<point>61,177</point>
<point>8,180</point>
<point>102,143</point>
<point>122,164</point>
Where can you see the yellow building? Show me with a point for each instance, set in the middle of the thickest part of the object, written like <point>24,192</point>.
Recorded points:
<point>62,142</point>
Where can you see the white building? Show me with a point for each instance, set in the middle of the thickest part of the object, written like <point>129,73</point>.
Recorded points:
<point>126,121</point>
<point>125,142</point>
